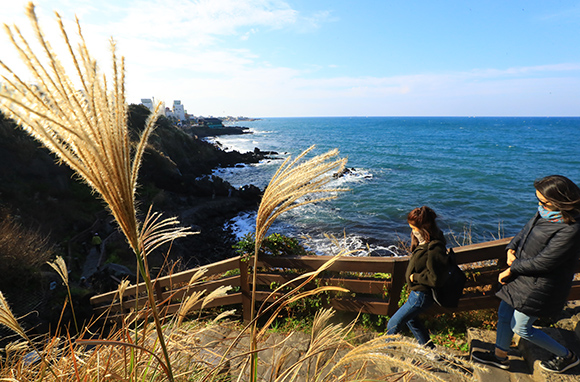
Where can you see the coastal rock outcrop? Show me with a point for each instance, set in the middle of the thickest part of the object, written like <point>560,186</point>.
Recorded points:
<point>175,178</point>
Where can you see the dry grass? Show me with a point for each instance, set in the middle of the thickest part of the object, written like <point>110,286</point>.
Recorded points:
<point>292,186</point>
<point>21,249</point>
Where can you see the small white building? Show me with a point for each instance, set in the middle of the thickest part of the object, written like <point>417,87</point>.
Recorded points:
<point>148,103</point>
<point>178,110</point>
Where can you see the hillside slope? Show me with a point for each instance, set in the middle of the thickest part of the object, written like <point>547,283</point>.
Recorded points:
<point>175,178</point>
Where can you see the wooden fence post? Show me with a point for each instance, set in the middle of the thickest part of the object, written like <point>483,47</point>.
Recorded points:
<point>398,281</point>
<point>245,289</point>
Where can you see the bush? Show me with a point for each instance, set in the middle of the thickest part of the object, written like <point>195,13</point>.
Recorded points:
<point>22,251</point>
<point>273,245</point>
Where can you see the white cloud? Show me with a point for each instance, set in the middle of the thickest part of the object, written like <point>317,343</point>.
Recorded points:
<point>194,23</point>
<point>267,91</point>
<point>173,50</point>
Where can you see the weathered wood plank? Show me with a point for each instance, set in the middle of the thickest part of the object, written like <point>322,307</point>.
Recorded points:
<point>169,281</point>
<point>171,297</point>
<point>366,286</point>
<point>466,304</point>
<point>481,251</point>
<point>359,305</point>
<point>483,261</point>
<point>231,299</point>
<point>344,264</point>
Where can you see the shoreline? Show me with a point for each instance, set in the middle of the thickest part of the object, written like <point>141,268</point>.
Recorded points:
<point>202,132</point>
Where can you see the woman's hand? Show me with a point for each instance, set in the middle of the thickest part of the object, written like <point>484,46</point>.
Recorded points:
<point>511,256</point>
<point>504,276</point>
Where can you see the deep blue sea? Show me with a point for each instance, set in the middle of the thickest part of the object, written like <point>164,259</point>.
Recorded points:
<point>477,173</point>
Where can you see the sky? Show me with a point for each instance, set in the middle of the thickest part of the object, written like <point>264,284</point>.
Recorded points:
<point>294,58</point>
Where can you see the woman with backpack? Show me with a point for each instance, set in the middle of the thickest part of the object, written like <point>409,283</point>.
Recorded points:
<point>541,259</point>
<point>427,266</point>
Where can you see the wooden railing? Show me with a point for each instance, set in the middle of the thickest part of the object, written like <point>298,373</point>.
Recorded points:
<point>375,283</point>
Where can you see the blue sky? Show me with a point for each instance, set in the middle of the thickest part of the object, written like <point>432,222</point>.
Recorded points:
<point>275,58</point>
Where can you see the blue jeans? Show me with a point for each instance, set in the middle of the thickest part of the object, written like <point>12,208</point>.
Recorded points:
<point>510,321</point>
<point>417,303</point>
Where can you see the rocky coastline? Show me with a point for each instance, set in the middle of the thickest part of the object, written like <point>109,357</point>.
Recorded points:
<point>175,179</point>
<point>201,132</point>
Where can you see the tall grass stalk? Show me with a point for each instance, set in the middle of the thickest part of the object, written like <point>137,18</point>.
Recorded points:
<point>60,267</point>
<point>84,123</point>
<point>8,320</point>
<point>290,187</point>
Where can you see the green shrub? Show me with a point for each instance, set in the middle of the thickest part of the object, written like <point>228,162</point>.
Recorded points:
<point>273,245</point>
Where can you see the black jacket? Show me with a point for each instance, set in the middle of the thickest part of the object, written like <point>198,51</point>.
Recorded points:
<point>546,255</point>
<point>429,263</point>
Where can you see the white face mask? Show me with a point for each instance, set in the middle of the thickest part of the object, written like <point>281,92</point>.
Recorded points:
<point>419,237</point>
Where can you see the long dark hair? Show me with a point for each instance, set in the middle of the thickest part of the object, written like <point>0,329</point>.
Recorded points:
<point>562,193</point>
<point>424,219</point>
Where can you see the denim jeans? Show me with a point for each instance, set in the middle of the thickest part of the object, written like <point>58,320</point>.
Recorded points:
<point>510,321</point>
<point>407,314</point>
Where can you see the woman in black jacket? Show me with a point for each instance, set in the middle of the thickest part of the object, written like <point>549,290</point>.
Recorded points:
<point>541,259</point>
<point>427,264</point>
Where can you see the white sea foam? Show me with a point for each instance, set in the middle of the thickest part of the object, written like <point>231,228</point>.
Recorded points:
<point>257,174</point>
<point>352,175</point>
<point>242,224</point>
<point>350,245</point>
<point>241,143</point>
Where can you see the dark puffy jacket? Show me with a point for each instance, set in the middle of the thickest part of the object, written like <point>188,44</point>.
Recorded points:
<point>428,262</point>
<point>546,255</point>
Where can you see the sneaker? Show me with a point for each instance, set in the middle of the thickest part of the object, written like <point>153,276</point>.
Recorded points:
<point>489,358</point>
<point>560,364</point>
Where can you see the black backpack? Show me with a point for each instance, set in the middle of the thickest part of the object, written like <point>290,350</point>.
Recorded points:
<point>448,294</point>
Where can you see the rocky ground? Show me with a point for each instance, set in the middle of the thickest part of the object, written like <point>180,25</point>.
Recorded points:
<point>283,349</point>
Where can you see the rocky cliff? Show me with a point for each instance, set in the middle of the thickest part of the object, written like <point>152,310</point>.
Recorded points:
<point>175,178</point>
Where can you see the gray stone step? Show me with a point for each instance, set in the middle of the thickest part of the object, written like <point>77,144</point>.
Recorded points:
<point>534,355</point>
<point>281,351</point>
<point>525,357</point>
<point>519,370</point>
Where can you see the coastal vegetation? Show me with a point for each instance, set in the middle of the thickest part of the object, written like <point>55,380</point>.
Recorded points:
<point>88,131</point>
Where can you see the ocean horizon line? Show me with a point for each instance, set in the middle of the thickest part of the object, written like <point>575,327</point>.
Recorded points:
<point>424,116</point>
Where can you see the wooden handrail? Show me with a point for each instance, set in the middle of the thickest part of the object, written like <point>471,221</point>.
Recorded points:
<point>377,282</point>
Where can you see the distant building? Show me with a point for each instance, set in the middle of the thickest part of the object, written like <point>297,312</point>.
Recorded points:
<point>150,103</point>
<point>212,123</point>
<point>147,102</point>
<point>178,110</point>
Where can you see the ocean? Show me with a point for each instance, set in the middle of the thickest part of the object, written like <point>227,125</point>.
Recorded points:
<point>477,173</point>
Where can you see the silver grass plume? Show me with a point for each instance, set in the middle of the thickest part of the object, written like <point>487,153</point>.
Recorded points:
<point>85,125</point>
<point>291,184</point>
<point>60,267</point>
<point>8,320</point>
<point>83,122</point>
<point>293,181</point>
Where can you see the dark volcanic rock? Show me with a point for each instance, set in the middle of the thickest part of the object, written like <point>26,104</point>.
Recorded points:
<point>175,177</point>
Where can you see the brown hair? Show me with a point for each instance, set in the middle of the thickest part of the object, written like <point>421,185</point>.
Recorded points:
<point>562,193</point>
<point>424,219</point>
